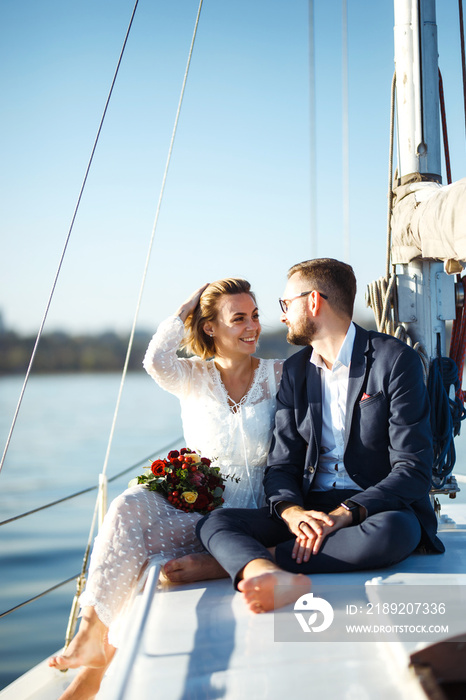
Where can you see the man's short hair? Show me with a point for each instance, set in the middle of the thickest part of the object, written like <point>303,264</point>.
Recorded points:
<point>332,277</point>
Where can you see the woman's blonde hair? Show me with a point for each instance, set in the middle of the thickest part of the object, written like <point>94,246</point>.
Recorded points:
<point>196,340</point>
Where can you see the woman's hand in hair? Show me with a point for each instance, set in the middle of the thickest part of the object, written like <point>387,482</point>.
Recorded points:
<point>190,304</point>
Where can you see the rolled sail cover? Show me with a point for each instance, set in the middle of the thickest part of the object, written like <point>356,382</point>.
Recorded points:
<point>429,221</point>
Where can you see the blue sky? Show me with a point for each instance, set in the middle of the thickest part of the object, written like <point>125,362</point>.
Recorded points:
<point>237,197</point>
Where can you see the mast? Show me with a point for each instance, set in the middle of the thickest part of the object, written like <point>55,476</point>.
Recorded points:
<point>426,294</point>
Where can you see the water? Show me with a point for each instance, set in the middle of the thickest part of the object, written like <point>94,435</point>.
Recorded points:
<point>58,448</point>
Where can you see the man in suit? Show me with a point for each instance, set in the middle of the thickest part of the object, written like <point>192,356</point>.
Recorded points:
<point>349,470</point>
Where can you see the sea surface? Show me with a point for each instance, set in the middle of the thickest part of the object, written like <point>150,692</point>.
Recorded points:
<point>58,448</point>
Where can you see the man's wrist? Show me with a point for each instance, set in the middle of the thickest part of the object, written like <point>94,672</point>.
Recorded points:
<point>356,511</point>
<point>282,506</point>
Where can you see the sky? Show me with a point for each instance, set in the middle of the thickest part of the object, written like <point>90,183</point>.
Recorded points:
<point>237,201</point>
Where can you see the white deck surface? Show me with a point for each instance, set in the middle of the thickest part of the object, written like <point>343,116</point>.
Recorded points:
<point>200,641</point>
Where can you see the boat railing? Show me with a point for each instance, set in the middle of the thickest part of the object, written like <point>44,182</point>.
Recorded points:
<point>134,637</point>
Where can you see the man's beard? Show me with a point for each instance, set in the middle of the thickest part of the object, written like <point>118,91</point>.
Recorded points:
<point>303,333</point>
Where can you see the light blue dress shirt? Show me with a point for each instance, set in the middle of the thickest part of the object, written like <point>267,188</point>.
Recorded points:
<point>331,472</point>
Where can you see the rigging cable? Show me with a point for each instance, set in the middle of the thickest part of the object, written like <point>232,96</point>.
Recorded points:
<point>151,242</point>
<point>90,488</point>
<point>390,177</point>
<point>345,133</point>
<point>36,597</point>
<point>62,500</point>
<point>458,335</point>
<point>443,114</point>
<point>55,281</point>
<point>457,352</point>
<point>447,407</point>
<point>458,342</point>
<point>463,58</point>
<point>312,134</point>
<point>81,579</point>
<point>379,293</point>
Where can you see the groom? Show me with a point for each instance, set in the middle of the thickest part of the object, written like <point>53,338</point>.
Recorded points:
<point>349,470</point>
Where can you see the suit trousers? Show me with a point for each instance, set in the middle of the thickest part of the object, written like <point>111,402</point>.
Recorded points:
<point>236,536</point>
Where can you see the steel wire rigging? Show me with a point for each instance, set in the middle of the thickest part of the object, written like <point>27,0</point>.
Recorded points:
<point>103,479</point>
<point>67,240</point>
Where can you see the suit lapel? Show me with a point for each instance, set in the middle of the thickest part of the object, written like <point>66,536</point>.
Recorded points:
<point>314,396</point>
<point>357,375</point>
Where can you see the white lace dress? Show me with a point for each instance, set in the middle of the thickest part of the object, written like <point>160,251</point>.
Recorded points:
<point>141,524</point>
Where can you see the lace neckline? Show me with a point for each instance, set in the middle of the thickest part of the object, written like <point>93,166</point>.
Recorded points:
<point>234,406</point>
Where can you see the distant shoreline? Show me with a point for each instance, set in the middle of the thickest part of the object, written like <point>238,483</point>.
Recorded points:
<point>60,352</point>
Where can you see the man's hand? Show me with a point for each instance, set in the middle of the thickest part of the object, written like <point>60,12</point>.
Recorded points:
<point>311,527</point>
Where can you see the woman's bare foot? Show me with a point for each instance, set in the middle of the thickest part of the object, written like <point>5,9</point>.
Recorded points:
<point>85,685</point>
<point>89,648</point>
<point>193,567</point>
<point>273,589</point>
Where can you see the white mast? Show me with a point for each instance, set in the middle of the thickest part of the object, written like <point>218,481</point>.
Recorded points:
<point>426,294</point>
<point>416,61</point>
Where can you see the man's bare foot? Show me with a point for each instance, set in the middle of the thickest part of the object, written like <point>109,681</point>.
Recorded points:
<point>85,685</point>
<point>193,567</point>
<point>273,589</point>
<point>89,648</point>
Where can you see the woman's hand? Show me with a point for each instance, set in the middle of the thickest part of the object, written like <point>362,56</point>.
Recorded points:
<point>190,303</point>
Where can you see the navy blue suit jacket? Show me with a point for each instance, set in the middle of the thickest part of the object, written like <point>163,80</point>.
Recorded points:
<point>388,440</point>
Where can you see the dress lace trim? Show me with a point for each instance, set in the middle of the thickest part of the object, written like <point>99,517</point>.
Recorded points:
<point>252,395</point>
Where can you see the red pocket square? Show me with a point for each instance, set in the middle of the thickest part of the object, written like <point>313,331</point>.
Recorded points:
<point>365,396</point>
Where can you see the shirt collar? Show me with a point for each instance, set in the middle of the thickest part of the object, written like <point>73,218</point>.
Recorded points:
<point>344,354</point>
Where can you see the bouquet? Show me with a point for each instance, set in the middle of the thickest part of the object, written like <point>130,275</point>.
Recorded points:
<point>186,479</point>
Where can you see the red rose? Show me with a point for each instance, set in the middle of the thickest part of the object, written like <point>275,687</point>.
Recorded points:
<point>214,481</point>
<point>173,455</point>
<point>203,491</point>
<point>158,467</point>
<point>205,461</point>
<point>202,501</point>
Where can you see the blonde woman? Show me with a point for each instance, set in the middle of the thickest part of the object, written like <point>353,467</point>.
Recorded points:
<point>228,404</point>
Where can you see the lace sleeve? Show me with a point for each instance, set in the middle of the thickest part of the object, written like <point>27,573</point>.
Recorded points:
<point>171,372</point>
<point>278,371</point>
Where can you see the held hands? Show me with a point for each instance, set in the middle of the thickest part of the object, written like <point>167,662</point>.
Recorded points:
<point>190,303</point>
<point>311,527</point>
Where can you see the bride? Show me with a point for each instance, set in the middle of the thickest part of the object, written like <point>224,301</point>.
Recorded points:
<point>227,398</point>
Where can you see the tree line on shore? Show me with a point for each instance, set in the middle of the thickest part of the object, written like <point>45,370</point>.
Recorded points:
<point>105,352</point>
